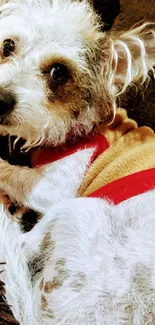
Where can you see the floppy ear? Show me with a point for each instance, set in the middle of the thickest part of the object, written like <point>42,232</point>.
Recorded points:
<point>133,55</point>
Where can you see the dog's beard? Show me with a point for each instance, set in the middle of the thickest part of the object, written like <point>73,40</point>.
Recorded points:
<point>46,138</point>
<point>49,129</point>
<point>30,138</point>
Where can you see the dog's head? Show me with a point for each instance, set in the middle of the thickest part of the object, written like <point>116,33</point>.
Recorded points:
<point>58,71</point>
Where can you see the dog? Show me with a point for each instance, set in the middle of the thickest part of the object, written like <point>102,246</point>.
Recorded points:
<point>59,79</point>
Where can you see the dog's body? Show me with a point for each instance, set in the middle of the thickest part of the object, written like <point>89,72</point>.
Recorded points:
<point>86,262</point>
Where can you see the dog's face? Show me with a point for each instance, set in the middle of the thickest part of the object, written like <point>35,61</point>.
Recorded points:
<point>54,80</point>
<point>59,74</point>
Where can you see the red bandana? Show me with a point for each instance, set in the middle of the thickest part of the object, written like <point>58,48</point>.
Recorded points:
<point>99,142</point>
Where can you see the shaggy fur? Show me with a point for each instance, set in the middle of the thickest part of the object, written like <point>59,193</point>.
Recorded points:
<point>82,263</point>
<point>138,101</point>
<point>86,261</point>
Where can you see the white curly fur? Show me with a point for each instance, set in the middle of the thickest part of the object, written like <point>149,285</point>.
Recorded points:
<point>99,257</point>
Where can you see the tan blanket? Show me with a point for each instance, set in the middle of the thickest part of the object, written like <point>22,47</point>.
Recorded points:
<point>131,149</point>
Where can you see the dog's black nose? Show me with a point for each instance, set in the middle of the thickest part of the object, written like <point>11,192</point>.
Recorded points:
<point>7,102</point>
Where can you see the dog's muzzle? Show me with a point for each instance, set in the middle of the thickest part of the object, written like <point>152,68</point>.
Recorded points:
<point>7,102</point>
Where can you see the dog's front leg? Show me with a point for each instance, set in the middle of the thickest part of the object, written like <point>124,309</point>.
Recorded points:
<point>17,182</point>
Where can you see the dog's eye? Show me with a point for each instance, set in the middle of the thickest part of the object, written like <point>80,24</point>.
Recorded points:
<point>59,73</point>
<point>8,47</point>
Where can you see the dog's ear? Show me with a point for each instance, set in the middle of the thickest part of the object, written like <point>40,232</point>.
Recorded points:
<point>133,55</point>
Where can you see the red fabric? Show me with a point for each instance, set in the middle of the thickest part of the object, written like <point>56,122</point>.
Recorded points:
<point>98,142</point>
<point>127,187</point>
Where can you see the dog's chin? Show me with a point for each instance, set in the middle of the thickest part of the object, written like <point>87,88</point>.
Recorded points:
<point>34,138</point>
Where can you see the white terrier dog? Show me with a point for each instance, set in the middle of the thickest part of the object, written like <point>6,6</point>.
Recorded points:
<point>86,262</point>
